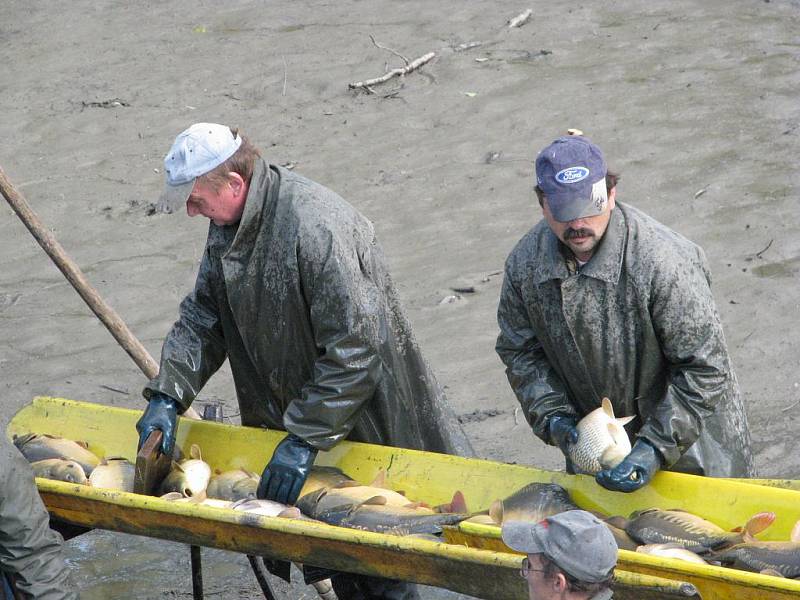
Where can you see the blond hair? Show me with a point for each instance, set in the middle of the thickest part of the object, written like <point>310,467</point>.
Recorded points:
<point>242,161</point>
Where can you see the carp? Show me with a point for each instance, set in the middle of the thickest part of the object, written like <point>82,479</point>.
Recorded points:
<point>602,440</point>
<point>534,502</point>
<point>113,473</point>
<point>656,526</point>
<point>198,500</point>
<point>59,469</point>
<point>671,550</point>
<point>35,447</point>
<point>624,541</point>
<point>234,485</point>
<point>323,477</point>
<point>267,508</point>
<point>190,476</point>
<point>770,558</point>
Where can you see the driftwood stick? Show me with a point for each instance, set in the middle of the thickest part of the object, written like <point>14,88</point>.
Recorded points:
<point>413,65</point>
<point>382,47</point>
<point>520,19</point>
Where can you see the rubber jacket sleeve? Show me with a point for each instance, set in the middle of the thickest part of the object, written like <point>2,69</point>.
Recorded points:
<point>689,330</point>
<point>194,348</point>
<point>344,305</point>
<point>29,549</point>
<point>538,386</point>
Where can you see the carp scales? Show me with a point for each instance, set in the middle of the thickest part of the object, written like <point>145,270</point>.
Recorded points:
<point>602,440</point>
<point>35,447</point>
<point>656,526</point>
<point>114,473</point>
<point>238,484</point>
<point>534,502</point>
<point>671,551</point>
<point>190,476</point>
<point>59,469</point>
<point>770,558</point>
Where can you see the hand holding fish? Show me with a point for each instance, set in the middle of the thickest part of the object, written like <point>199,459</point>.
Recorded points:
<point>635,471</point>
<point>161,413</point>
<point>563,432</point>
<point>287,470</point>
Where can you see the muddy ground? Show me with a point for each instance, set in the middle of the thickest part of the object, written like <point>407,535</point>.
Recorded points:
<point>696,103</point>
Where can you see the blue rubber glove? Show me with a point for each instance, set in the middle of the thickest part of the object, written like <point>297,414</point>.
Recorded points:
<point>635,471</point>
<point>286,472</point>
<point>562,432</point>
<point>161,413</point>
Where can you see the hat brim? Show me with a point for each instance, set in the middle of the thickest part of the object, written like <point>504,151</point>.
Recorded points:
<point>566,207</point>
<point>522,537</point>
<point>174,197</point>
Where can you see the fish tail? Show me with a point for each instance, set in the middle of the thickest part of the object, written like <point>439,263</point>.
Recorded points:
<point>758,523</point>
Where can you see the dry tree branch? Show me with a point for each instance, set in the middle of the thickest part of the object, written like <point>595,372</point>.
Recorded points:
<point>413,65</point>
<point>395,52</point>
<point>520,19</point>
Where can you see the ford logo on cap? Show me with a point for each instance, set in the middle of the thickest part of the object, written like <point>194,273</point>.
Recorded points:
<point>572,175</point>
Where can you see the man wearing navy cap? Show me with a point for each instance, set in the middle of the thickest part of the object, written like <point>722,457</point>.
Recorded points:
<point>570,556</point>
<point>600,300</point>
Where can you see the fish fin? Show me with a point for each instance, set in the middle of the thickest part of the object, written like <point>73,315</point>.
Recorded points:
<point>374,501</point>
<point>346,484</point>
<point>195,453</point>
<point>608,408</point>
<point>379,480</point>
<point>625,420</point>
<point>171,496</point>
<point>291,512</point>
<point>457,505</point>
<point>758,523</point>
<point>795,535</point>
<point>82,444</point>
<point>239,503</point>
<point>177,465</point>
<point>416,505</point>
<point>496,511</point>
<point>772,572</point>
<point>483,519</point>
<point>249,473</point>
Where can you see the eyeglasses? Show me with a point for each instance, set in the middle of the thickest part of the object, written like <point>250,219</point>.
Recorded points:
<point>527,568</point>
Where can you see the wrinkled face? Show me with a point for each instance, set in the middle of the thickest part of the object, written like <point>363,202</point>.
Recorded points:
<point>581,235</point>
<point>224,206</point>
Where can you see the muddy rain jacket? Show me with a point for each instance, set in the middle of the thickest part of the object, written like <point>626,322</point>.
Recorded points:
<point>30,552</point>
<point>637,324</point>
<point>297,296</point>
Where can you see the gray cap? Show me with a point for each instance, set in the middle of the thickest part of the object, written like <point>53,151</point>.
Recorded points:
<point>576,541</point>
<point>572,174</point>
<point>196,151</point>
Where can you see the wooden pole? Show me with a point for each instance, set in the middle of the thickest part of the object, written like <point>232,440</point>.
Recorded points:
<point>115,325</point>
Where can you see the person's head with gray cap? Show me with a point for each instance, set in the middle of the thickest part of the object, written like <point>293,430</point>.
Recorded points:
<point>208,168</point>
<point>576,192</point>
<point>571,555</point>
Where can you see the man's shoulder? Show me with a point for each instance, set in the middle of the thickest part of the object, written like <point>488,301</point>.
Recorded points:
<point>529,247</point>
<point>649,237</point>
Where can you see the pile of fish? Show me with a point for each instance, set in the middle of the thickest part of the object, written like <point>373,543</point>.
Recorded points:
<point>330,496</point>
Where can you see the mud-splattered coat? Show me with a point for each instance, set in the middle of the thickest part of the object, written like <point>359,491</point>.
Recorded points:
<point>297,296</point>
<point>29,550</point>
<point>637,324</point>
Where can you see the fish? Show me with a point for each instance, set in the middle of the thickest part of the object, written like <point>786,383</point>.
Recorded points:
<point>267,508</point>
<point>199,500</point>
<point>671,550</point>
<point>656,526</point>
<point>35,447</point>
<point>59,469</point>
<point>624,541</point>
<point>234,485</point>
<point>373,508</point>
<point>602,440</point>
<point>323,477</point>
<point>113,473</point>
<point>770,558</point>
<point>534,502</point>
<point>190,476</point>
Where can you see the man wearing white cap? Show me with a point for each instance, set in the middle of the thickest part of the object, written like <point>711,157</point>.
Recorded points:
<point>294,291</point>
<point>570,556</point>
<point>600,300</point>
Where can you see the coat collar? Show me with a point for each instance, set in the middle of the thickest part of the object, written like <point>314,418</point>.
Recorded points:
<point>605,264</point>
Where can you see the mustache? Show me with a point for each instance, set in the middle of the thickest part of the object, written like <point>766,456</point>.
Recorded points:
<point>582,232</point>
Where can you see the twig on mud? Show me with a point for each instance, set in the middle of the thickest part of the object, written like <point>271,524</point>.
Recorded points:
<point>516,412</point>
<point>758,254</point>
<point>520,19</point>
<point>285,69</point>
<point>790,407</point>
<point>113,389</point>
<point>382,47</point>
<point>413,65</point>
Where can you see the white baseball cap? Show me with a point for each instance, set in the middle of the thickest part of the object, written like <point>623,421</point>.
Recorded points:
<point>195,152</point>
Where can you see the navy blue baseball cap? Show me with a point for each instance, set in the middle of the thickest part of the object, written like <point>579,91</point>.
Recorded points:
<point>572,174</point>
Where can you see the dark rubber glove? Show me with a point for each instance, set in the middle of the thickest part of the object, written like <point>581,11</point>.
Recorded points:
<point>563,432</point>
<point>161,413</point>
<point>635,471</point>
<point>286,472</point>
